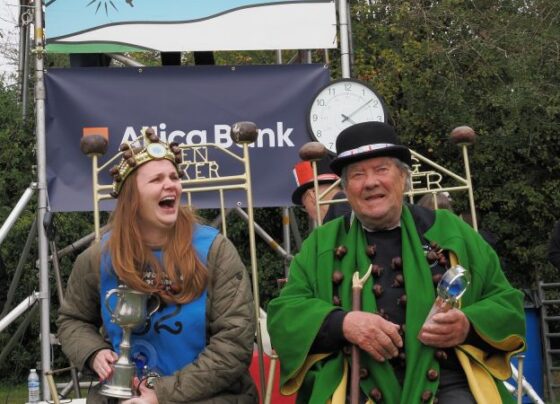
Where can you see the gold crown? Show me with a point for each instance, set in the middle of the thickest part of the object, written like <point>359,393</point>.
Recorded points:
<point>146,148</point>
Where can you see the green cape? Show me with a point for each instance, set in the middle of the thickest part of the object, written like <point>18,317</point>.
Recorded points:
<point>493,307</point>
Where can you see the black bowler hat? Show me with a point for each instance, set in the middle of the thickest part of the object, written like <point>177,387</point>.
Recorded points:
<point>303,173</point>
<point>366,140</point>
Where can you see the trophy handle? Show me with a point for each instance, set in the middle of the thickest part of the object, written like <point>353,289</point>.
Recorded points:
<point>107,296</point>
<point>156,305</point>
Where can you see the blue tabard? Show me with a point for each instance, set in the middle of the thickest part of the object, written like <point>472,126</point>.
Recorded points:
<point>174,335</point>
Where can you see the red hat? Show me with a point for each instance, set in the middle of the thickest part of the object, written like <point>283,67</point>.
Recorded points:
<point>303,173</point>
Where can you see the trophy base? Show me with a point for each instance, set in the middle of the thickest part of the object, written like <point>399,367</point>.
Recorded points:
<point>120,385</point>
<point>117,391</point>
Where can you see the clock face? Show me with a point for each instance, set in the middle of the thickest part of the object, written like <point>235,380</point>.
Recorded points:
<point>339,105</point>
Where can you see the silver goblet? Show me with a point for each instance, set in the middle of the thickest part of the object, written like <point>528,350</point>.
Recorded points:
<point>130,311</point>
<point>451,287</point>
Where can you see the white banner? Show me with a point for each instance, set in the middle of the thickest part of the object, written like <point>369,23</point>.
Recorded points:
<point>195,25</point>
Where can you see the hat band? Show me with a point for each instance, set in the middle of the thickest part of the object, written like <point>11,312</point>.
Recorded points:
<point>365,148</point>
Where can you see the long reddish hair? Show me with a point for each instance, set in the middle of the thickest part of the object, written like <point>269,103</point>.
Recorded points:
<point>130,255</point>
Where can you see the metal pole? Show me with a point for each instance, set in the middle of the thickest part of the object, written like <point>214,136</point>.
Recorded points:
<point>295,231</point>
<point>77,245</point>
<point>95,197</point>
<point>12,217</point>
<point>16,337</point>
<point>350,39</point>
<point>125,60</point>
<point>18,310</point>
<point>287,240</point>
<point>520,359</point>
<point>23,60</point>
<point>344,43</point>
<point>470,190</point>
<point>56,268</point>
<point>25,76</point>
<point>319,219</point>
<point>529,390</point>
<point>19,269</point>
<point>44,293</point>
<point>255,273</point>
<point>264,235</point>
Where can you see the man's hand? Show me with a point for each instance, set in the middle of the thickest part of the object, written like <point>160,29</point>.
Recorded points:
<point>101,363</point>
<point>445,330</point>
<point>147,395</point>
<point>375,335</point>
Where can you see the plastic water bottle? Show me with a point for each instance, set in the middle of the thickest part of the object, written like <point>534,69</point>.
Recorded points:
<point>33,386</point>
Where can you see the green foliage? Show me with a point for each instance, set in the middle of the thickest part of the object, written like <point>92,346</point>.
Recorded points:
<point>491,64</point>
<point>495,67</point>
<point>270,264</point>
<point>17,165</point>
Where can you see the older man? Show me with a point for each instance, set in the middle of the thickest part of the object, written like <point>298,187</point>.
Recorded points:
<point>458,358</point>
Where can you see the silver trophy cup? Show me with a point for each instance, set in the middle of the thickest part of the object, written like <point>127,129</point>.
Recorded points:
<point>130,312</point>
<point>452,286</point>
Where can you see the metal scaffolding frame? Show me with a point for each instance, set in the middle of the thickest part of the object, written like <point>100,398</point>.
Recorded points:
<point>31,12</point>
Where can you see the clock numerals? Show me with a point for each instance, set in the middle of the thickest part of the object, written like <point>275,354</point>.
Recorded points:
<point>340,104</point>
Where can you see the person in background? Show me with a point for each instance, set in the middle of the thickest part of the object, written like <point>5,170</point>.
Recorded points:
<point>461,356</point>
<point>198,345</point>
<point>487,235</point>
<point>304,195</point>
<point>442,201</point>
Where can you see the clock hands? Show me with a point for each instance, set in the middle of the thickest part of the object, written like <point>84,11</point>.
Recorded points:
<point>347,117</point>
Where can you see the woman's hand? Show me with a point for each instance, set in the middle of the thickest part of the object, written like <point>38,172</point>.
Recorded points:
<point>101,363</point>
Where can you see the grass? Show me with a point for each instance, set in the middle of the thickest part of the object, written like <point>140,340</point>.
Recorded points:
<point>18,394</point>
<point>13,394</point>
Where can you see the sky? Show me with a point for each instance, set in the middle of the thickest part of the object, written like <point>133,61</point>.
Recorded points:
<point>9,35</point>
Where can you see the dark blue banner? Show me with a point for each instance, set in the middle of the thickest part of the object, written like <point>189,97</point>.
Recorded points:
<point>190,105</point>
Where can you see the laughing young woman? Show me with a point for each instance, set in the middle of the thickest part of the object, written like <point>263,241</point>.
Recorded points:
<point>197,346</point>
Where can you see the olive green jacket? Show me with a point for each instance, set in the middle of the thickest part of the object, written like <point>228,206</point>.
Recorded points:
<point>220,373</point>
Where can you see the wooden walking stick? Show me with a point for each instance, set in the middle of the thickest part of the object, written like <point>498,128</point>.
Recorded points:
<point>357,286</point>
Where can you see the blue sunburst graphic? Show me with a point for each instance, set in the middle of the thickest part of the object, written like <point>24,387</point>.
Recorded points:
<point>107,5</point>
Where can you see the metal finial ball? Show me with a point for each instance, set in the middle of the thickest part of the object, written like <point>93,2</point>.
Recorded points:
<point>463,135</point>
<point>312,151</point>
<point>244,132</point>
<point>93,144</point>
